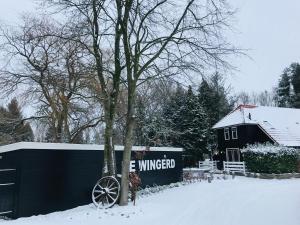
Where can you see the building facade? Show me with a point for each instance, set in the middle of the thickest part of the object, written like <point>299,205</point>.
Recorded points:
<point>249,124</point>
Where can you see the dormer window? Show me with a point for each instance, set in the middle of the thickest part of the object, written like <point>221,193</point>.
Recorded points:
<point>226,134</point>
<point>234,133</point>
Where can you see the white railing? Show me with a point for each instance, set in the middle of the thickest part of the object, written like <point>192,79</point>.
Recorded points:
<point>211,164</point>
<point>235,167</point>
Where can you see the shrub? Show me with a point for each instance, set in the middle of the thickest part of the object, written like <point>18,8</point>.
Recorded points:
<point>268,158</point>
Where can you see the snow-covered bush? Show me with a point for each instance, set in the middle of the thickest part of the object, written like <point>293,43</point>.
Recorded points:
<point>268,158</point>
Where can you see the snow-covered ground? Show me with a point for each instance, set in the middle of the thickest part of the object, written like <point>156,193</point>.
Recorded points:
<point>242,201</point>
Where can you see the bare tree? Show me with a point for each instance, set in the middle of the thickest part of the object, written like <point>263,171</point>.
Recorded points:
<point>264,98</point>
<point>165,38</point>
<point>51,73</point>
<point>147,39</point>
<point>95,24</point>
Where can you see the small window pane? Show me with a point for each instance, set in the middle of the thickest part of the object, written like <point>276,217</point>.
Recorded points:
<point>234,133</point>
<point>226,134</point>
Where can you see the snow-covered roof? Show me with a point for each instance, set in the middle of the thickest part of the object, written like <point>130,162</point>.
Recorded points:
<point>281,124</point>
<point>63,146</point>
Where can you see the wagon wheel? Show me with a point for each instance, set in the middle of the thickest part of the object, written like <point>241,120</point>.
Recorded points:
<point>106,192</point>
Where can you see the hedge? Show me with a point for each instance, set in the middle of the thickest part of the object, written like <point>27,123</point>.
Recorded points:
<point>267,158</point>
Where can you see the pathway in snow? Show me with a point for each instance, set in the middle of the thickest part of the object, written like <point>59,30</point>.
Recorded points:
<point>242,201</point>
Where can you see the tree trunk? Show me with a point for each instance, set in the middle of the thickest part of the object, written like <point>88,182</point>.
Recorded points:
<point>130,122</point>
<point>109,166</point>
<point>59,129</point>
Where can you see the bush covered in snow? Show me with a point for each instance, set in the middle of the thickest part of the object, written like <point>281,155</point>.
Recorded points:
<point>268,158</point>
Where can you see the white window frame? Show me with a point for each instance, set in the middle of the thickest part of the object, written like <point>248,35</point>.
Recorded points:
<point>232,133</point>
<point>226,134</point>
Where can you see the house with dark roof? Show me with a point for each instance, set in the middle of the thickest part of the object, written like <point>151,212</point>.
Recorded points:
<point>249,124</point>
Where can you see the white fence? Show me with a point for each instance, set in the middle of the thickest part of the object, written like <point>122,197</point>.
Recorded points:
<point>211,164</point>
<point>235,167</point>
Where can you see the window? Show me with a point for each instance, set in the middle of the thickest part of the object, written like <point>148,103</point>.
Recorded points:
<point>234,133</point>
<point>226,134</point>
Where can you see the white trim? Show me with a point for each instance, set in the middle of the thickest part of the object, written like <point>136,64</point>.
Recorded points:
<point>226,131</point>
<point>7,184</point>
<point>2,213</point>
<point>64,146</point>
<point>234,166</point>
<point>4,170</point>
<point>236,131</point>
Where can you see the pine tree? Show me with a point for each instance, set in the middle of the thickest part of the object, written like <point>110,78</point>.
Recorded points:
<point>195,127</point>
<point>5,128</point>
<point>12,126</point>
<point>172,114</point>
<point>188,123</point>
<point>295,81</point>
<point>212,97</point>
<point>288,90</point>
<point>283,91</point>
<point>21,130</point>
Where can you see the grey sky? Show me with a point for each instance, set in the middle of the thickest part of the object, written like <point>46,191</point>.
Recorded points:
<point>268,27</point>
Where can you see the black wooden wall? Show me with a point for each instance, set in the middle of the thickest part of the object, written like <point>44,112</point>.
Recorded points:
<point>53,180</point>
<point>247,134</point>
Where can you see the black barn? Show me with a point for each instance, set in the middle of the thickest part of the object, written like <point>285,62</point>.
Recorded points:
<point>39,178</point>
<point>249,124</point>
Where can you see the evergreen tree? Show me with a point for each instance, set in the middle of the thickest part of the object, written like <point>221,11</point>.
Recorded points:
<point>188,123</point>
<point>295,81</point>
<point>288,90</point>
<point>212,97</point>
<point>182,118</point>
<point>173,113</point>
<point>283,91</point>
<point>21,130</point>
<point>150,129</point>
<point>5,128</point>
<point>12,126</point>
<point>195,127</point>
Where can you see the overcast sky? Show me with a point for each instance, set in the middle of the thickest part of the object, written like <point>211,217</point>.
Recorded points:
<point>269,28</point>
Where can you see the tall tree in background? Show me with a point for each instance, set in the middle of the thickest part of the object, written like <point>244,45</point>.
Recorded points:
<point>13,127</point>
<point>284,90</point>
<point>51,72</point>
<point>152,98</point>
<point>288,90</point>
<point>96,25</point>
<point>188,123</point>
<point>214,98</point>
<point>264,98</point>
<point>165,38</point>
<point>197,127</point>
<point>295,80</point>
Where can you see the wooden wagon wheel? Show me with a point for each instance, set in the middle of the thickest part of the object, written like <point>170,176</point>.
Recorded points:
<point>106,192</point>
